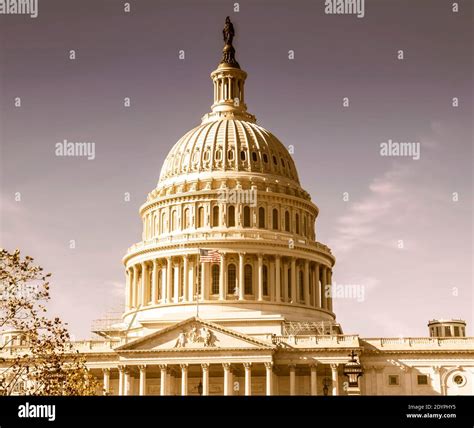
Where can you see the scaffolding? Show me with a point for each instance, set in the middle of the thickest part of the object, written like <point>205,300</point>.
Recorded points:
<point>311,328</point>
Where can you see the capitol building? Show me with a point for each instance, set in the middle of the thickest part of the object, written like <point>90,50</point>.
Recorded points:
<point>228,292</point>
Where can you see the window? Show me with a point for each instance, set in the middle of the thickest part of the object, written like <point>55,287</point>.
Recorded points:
<point>231,215</point>
<point>297,221</point>
<point>187,222</point>
<point>459,380</point>
<point>215,279</point>
<point>275,219</point>
<point>305,232</point>
<point>287,221</point>
<point>200,222</point>
<point>289,283</point>
<point>265,158</point>
<point>242,155</point>
<point>248,287</point>
<point>261,218</point>
<point>254,156</point>
<point>282,162</point>
<point>230,155</point>
<point>219,154</point>
<point>265,280</point>
<point>174,224</point>
<point>231,279</point>
<point>447,331</point>
<point>275,160</point>
<point>206,155</point>
<point>393,380</point>
<point>456,330</point>
<point>301,285</point>
<point>246,216</point>
<point>163,222</point>
<point>422,380</point>
<point>215,216</point>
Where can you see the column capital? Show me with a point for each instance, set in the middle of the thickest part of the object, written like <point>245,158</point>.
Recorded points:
<point>334,366</point>
<point>142,367</point>
<point>313,365</point>
<point>155,262</point>
<point>268,365</point>
<point>163,367</point>
<point>247,366</point>
<point>106,370</point>
<point>205,367</point>
<point>184,367</point>
<point>226,366</point>
<point>292,366</point>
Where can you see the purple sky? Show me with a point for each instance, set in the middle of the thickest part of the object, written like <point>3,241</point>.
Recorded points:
<point>336,149</point>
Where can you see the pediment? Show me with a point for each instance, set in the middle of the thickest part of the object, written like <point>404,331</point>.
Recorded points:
<point>194,334</point>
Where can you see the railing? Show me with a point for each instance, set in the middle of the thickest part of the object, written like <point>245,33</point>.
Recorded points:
<point>421,342</point>
<point>323,341</point>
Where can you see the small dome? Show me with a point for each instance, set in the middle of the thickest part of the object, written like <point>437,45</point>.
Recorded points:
<point>228,144</point>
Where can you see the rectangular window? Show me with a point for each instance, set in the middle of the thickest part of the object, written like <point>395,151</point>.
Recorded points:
<point>456,331</point>
<point>422,380</point>
<point>393,380</point>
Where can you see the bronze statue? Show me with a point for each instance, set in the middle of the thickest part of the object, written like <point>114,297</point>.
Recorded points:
<point>228,53</point>
<point>228,32</point>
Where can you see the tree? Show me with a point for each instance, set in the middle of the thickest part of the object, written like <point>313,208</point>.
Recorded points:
<point>42,360</point>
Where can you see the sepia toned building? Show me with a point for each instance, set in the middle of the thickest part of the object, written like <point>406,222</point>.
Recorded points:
<point>229,291</point>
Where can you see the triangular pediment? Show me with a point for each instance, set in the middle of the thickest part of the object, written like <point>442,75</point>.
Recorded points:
<point>194,334</point>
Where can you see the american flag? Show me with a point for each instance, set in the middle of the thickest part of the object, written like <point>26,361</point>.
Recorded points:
<point>209,256</point>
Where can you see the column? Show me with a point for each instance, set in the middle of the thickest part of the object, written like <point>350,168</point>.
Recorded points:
<point>205,378</point>
<point>317,287</point>
<point>121,379</point>
<point>260,278</point>
<point>128,290</point>
<point>292,379</point>
<point>285,282</point>
<point>335,382</point>
<point>163,284</point>
<point>248,378</point>
<point>184,379</point>
<point>168,280</point>
<point>268,378</point>
<point>314,379</point>
<point>142,380</point>
<point>144,299</point>
<point>126,381</point>
<point>277,279</point>
<point>154,282</point>
<point>329,283</point>
<point>222,286</point>
<point>163,379</point>
<point>306,282</point>
<point>177,280</point>
<point>185,279</point>
<point>241,277</point>
<point>135,286</point>
<point>294,295</point>
<point>227,379</point>
<point>106,373</point>
<point>323,287</point>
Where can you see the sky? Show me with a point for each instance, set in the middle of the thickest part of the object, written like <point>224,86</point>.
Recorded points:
<point>400,228</point>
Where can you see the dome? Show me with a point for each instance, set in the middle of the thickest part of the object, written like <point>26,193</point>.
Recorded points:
<point>234,145</point>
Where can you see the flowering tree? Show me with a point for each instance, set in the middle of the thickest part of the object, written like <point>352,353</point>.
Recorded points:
<point>42,360</point>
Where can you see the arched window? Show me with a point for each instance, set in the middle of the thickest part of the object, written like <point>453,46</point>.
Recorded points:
<point>265,280</point>
<point>163,222</point>
<point>174,220</point>
<point>231,279</point>
<point>287,221</point>
<point>301,285</point>
<point>261,218</point>
<point>215,216</point>
<point>246,216</point>
<point>200,217</point>
<point>187,222</point>
<point>231,216</point>
<point>275,219</point>
<point>297,221</point>
<point>248,287</point>
<point>215,279</point>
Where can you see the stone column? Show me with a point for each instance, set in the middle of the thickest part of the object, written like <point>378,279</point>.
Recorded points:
<point>163,379</point>
<point>260,278</point>
<point>128,291</point>
<point>329,283</point>
<point>126,381</point>
<point>222,285</point>
<point>306,283</point>
<point>268,378</point>
<point>277,279</point>
<point>317,287</point>
<point>314,379</point>
<point>154,282</point>
<point>106,373</point>
<point>177,281</point>
<point>185,279</point>
<point>205,378</point>
<point>144,293</point>
<point>168,280</point>
<point>324,304</point>
<point>184,379</point>
<point>248,378</point>
<point>227,379</point>
<point>121,370</point>
<point>335,380</point>
<point>142,379</point>
<point>135,286</point>
<point>241,277</point>
<point>294,295</point>
<point>164,275</point>
<point>292,379</point>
